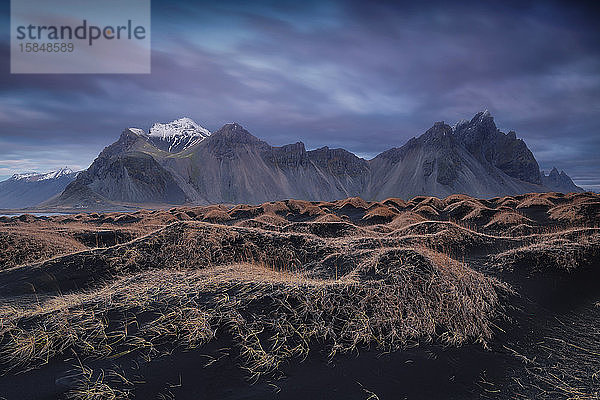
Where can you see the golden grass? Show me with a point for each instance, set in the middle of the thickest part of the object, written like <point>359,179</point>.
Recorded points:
<point>23,246</point>
<point>400,296</point>
<point>328,218</point>
<point>563,251</point>
<point>434,202</point>
<point>217,216</point>
<point>354,202</point>
<point>406,218</point>
<point>535,201</point>
<point>275,207</point>
<point>426,211</point>
<point>395,202</point>
<point>505,219</point>
<point>580,212</point>
<point>98,385</point>
<point>380,214</point>
<point>275,288</point>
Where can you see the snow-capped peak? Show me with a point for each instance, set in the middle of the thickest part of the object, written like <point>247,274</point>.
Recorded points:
<point>180,127</point>
<point>34,176</point>
<point>460,124</point>
<point>18,177</point>
<point>57,174</point>
<point>178,135</point>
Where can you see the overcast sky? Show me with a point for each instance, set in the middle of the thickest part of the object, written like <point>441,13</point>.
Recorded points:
<point>365,76</point>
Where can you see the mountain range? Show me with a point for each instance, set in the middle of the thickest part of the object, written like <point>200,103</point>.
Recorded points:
<point>181,162</point>
<point>27,190</point>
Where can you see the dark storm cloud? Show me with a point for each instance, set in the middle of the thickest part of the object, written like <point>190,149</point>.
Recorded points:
<point>361,75</point>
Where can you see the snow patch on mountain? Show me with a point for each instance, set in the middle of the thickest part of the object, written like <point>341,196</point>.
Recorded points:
<point>34,176</point>
<point>180,127</point>
<point>138,131</point>
<point>178,135</point>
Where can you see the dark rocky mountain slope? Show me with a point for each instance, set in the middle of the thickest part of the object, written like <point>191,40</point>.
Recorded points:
<point>233,166</point>
<point>559,182</point>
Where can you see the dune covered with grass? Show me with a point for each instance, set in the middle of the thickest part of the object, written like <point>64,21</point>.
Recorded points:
<point>91,304</point>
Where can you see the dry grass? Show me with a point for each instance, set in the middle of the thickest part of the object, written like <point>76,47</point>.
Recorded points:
<point>454,198</point>
<point>434,202</point>
<point>504,219</point>
<point>535,201</point>
<point>563,251</point>
<point>328,218</point>
<point>581,212</point>
<point>479,215</point>
<point>268,221</point>
<point>271,314</point>
<point>277,280</point>
<point>565,363</point>
<point>508,201</point>
<point>304,208</point>
<point>395,202</point>
<point>23,246</point>
<point>98,385</point>
<point>217,216</point>
<point>353,202</point>
<point>406,218</point>
<point>427,211</point>
<point>380,214</point>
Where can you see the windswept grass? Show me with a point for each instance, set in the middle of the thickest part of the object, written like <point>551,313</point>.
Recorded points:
<point>279,281</point>
<point>271,316</point>
<point>563,251</point>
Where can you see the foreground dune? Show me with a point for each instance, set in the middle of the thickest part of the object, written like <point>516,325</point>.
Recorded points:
<point>86,297</point>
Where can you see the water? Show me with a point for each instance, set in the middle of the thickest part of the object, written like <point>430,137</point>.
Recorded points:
<point>36,214</point>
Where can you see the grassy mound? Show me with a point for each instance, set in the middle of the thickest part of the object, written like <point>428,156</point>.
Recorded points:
<point>279,281</point>
<point>270,315</point>
<point>19,247</point>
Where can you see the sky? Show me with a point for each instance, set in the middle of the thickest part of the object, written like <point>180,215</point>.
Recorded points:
<point>362,75</point>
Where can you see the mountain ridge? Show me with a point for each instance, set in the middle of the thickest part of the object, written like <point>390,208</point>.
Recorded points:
<point>231,165</point>
<point>31,189</point>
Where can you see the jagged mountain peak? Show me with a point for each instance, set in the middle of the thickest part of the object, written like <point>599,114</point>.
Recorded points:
<point>231,127</point>
<point>504,151</point>
<point>128,138</point>
<point>58,173</point>
<point>175,136</point>
<point>437,132</point>
<point>180,127</point>
<point>481,125</point>
<point>559,181</point>
<point>234,133</point>
<point>482,117</point>
<point>132,133</point>
<point>460,124</point>
<point>554,172</point>
<point>232,165</point>
<point>136,131</point>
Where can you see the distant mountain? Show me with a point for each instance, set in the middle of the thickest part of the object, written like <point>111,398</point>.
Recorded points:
<point>233,166</point>
<point>559,182</point>
<point>27,190</point>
